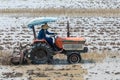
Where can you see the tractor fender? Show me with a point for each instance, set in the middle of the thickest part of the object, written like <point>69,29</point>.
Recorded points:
<point>69,53</point>
<point>37,41</point>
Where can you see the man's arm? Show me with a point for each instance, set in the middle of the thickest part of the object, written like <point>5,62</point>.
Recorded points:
<point>49,33</point>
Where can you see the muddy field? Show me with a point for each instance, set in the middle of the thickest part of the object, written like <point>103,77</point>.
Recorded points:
<point>96,20</point>
<point>91,67</point>
<point>94,65</point>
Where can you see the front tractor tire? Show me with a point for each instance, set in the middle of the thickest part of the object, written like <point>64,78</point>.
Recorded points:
<point>74,58</point>
<point>41,53</point>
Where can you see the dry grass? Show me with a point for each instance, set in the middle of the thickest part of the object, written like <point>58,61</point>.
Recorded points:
<point>5,57</point>
<point>62,11</point>
<point>115,54</point>
<point>94,56</point>
<point>90,57</point>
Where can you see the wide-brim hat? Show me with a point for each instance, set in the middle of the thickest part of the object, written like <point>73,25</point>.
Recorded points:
<point>45,26</point>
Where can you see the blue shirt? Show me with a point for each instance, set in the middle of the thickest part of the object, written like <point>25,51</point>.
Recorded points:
<point>42,34</point>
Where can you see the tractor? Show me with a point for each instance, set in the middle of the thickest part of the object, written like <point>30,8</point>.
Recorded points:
<point>40,52</point>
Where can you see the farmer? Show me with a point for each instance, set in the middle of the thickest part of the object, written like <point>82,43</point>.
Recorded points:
<point>43,32</point>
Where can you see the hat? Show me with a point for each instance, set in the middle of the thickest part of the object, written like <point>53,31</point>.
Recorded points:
<point>45,26</point>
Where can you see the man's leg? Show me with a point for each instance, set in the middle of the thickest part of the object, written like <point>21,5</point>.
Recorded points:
<point>50,41</point>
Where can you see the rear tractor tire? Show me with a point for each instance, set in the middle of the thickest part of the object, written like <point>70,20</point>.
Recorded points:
<point>41,53</point>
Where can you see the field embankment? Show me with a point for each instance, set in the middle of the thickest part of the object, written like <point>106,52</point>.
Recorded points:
<point>74,12</point>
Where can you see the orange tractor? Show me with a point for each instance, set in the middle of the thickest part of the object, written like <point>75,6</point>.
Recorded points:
<point>40,52</point>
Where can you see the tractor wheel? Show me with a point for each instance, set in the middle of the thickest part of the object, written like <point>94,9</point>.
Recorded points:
<point>74,58</point>
<point>41,53</point>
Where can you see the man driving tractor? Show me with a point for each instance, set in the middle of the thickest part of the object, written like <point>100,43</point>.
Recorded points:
<point>40,52</point>
<point>42,35</point>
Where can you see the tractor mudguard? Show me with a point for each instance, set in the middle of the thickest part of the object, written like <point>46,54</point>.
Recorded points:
<point>59,42</point>
<point>41,40</point>
<point>69,53</point>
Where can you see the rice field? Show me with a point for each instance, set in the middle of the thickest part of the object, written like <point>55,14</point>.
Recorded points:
<point>95,65</point>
